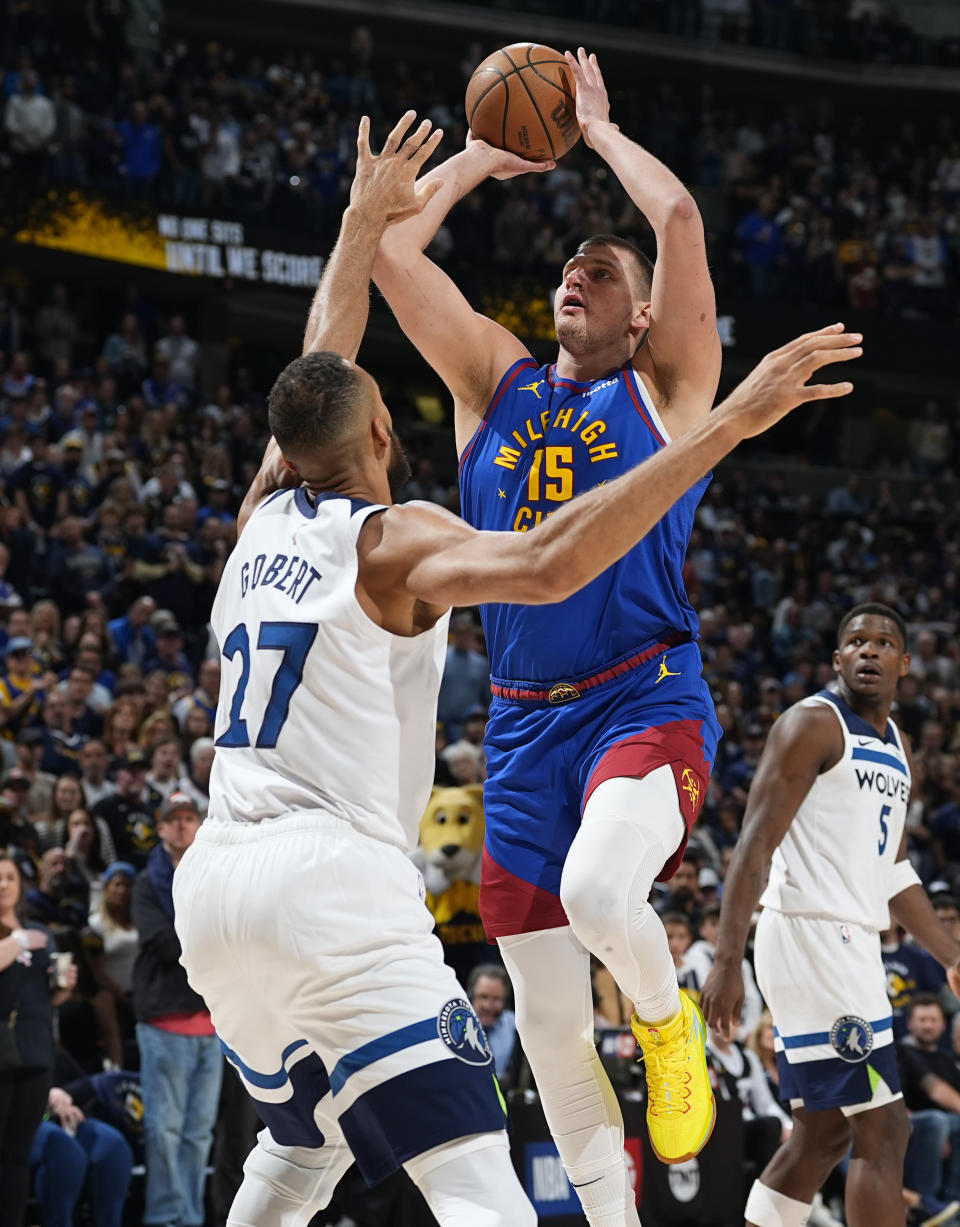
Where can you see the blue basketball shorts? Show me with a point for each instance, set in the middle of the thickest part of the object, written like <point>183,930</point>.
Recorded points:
<point>549,746</point>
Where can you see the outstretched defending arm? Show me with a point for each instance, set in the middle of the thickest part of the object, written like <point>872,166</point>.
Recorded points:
<point>441,561</point>
<point>682,344</point>
<point>385,190</point>
<point>466,349</point>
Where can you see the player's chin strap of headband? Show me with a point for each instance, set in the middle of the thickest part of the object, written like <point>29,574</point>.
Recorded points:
<point>902,875</point>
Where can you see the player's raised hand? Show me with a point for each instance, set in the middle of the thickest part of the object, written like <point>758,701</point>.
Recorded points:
<point>780,382</point>
<point>721,998</point>
<point>593,105</point>
<point>502,164</point>
<point>386,183</point>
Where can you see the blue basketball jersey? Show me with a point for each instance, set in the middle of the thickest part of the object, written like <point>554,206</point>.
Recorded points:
<point>542,441</point>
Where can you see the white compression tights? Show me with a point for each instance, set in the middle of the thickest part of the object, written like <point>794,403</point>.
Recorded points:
<point>469,1182</point>
<point>630,828</point>
<point>285,1186</point>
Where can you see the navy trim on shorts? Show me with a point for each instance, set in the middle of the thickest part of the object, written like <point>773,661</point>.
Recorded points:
<point>291,1122</point>
<point>423,1108</point>
<point>385,1046</point>
<point>266,1082</point>
<point>835,1083</point>
<point>823,1037</point>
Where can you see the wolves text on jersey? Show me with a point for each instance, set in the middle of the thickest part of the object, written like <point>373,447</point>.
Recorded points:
<point>884,783</point>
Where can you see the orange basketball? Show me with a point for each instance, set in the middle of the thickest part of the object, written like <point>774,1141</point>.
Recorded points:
<point>523,98</point>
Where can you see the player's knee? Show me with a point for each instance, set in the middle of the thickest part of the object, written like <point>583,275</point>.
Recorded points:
<point>270,1177</point>
<point>471,1182</point>
<point>826,1144</point>
<point>881,1135</point>
<point>591,906</point>
<point>596,897</point>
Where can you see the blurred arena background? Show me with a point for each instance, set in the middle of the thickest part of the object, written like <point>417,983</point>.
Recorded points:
<point>173,174</point>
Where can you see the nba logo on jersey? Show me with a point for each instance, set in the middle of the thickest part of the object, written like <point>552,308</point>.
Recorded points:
<point>852,1038</point>
<point>845,935</point>
<point>460,1030</point>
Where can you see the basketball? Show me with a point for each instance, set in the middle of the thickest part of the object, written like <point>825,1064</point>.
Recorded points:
<point>522,98</point>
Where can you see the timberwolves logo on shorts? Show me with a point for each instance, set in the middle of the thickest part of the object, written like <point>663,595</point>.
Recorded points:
<point>460,1030</point>
<point>852,1038</point>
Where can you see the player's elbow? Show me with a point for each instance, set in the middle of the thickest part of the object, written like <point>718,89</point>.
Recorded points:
<point>682,210</point>
<point>557,586</point>
<point>537,575</point>
<point>555,577</point>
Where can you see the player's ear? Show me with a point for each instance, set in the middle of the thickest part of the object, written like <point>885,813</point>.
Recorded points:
<point>836,660</point>
<point>641,318</point>
<point>292,468</point>
<point>379,433</point>
<point>904,665</point>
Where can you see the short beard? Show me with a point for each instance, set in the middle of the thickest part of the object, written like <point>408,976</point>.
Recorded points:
<point>578,339</point>
<point>399,471</point>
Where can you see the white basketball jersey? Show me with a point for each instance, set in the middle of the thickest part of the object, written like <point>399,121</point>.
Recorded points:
<point>319,708</point>
<point>836,858</point>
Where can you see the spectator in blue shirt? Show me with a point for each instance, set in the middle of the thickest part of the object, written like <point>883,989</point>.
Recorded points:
<point>159,389</point>
<point>466,676</point>
<point>488,988</point>
<point>132,635</point>
<point>910,970</point>
<point>761,238</point>
<point>142,147</point>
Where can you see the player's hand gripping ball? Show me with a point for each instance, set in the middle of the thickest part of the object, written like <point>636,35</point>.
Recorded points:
<point>523,99</point>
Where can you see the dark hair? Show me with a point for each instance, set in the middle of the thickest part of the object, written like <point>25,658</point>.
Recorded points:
<point>313,401</point>
<point>878,610</point>
<point>925,999</point>
<point>643,261</point>
<point>95,859</point>
<point>11,859</point>
<point>710,911</point>
<point>942,901</point>
<point>677,918</point>
<point>494,970</point>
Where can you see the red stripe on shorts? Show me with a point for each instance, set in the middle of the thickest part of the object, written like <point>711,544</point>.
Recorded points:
<point>509,905</point>
<point>677,744</point>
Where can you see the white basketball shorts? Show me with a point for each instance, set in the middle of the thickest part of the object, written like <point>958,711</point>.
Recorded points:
<point>314,952</point>
<point>827,990</point>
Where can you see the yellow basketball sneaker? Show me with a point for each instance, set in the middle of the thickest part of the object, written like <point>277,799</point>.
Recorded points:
<point>680,1108</point>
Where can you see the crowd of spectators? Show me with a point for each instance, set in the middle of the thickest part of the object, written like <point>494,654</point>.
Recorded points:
<point>805,199</point>
<point>120,484</point>
<point>866,31</point>
<point>121,472</point>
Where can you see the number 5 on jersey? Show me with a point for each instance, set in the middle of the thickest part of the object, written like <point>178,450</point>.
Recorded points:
<point>884,830</point>
<point>294,640</point>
